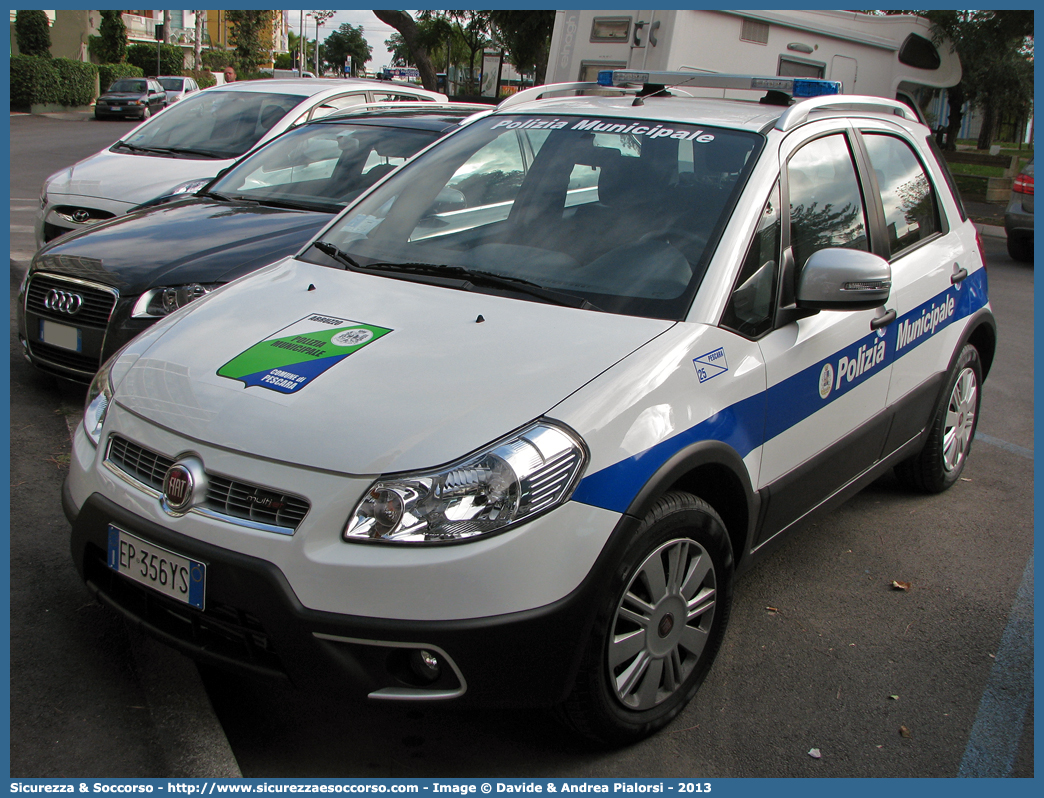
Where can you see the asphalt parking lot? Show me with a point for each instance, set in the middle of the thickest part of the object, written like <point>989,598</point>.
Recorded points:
<point>822,653</point>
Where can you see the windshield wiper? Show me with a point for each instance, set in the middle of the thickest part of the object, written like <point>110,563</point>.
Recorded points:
<point>338,255</point>
<point>226,198</point>
<point>486,279</point>
<point>190,151</point>
<point>170,150</point>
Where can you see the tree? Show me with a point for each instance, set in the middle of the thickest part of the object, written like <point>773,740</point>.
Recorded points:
<point>407,28</point>
<point>251,35</point>
<point>33,33</point>
<point>110,45</point>
<point>197,42</point>
<point>526,36</point>
<point>996,52</point>
<point>474,28</point>
<point>347,40</point>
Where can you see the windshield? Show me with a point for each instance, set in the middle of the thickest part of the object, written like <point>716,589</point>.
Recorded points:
<point>323,166</point>
<point>623,214</point>
<point>172,84</point>
<point>222,124</point>
<point>137,86</point>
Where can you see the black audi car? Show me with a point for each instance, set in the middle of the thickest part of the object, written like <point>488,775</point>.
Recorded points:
<point>87,293</point>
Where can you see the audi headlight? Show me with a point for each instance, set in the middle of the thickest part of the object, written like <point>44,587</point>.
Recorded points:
<point>99,396</point>
<point>508,483</point>
<point>164,300</point>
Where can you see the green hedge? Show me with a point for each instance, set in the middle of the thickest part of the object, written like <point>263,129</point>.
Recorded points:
<point>77,81</point>
<point>107,73</point>
<point>143,56</point>
<point>33,80</point>
<point>50,81</point>
<point>203,78</point>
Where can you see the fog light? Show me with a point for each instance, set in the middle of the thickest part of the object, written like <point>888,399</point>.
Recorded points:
<point>425,665</point>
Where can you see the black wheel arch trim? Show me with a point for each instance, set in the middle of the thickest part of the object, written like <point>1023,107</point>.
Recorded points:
<point>706,457</point>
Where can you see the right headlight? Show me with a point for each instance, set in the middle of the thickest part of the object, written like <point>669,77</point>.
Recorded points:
<point>509,482</point>
<point>164,300</point>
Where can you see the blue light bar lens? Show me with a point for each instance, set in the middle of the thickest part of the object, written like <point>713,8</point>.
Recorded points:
<point>809,87</point>
<point>605,77</point>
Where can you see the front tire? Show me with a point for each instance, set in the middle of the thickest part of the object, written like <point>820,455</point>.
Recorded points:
<point>940,463</point>
<point>146,113</point>
<point>660,625</point>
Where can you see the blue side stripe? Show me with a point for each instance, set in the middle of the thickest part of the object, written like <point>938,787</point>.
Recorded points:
<point>757,419</point>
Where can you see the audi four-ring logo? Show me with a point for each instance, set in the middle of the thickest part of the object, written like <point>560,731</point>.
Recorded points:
<point>63,301</point>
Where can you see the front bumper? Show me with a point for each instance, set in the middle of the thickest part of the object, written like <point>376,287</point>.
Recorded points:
<point>253,621</point>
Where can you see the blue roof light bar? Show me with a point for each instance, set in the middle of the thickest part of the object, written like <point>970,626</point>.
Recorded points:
<point>795,87</point>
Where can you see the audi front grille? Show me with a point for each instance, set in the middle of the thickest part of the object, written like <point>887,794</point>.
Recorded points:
<point>92,309</point>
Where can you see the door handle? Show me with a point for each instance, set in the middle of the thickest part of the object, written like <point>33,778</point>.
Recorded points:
<point>883,320</point>
<point>958,274</point>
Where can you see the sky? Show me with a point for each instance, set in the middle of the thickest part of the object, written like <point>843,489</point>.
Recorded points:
<point>374,31</point>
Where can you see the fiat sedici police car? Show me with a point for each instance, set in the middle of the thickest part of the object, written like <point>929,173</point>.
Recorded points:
<point>507,429</point>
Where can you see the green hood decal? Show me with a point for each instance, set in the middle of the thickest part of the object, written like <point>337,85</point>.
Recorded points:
<point>292,357</point>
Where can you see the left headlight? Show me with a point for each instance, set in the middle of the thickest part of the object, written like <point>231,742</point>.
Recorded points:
<point>509,482</point>
<point>99,396</point>
<point>164,300</point>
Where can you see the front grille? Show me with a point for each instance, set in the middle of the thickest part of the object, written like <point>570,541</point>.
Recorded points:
<point>220,630</point>
<point>241,500</point>
<point>64,359</point>
<point>92,214</point>
<point>147,467</point>
<point>232,499</point>
<point>94,313</point>
<point>52,231</point>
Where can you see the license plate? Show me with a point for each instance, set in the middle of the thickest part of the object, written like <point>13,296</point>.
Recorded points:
<point>61,335</point>
<point>115,108</point>
<point>171,574</point>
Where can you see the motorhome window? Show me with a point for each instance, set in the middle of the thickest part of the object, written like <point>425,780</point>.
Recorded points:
<point>610,29</point>
<point>623,213</point>
<point>918,52</point>
<point>754,31</point>
<point>589,69</point>
<point>795,68</point>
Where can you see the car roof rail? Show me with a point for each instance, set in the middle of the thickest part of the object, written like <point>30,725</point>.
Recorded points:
<point>798,114</point>
<point>536,92</point>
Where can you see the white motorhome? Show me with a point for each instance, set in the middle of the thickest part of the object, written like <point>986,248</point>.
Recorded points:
<point>884,56</point>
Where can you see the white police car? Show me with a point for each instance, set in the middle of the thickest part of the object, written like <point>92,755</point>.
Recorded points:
<point>508,428</point>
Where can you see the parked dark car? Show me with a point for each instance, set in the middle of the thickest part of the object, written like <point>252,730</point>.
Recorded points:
<point>138,98</point>
<point>89,292</point>
<point>1018,218</point>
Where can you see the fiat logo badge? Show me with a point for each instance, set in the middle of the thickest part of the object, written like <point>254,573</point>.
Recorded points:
<point>177,487</point>
<point>183,485</point>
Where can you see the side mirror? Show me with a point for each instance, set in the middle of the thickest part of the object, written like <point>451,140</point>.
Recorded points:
<point>449,199</point>
<point>843,279</point>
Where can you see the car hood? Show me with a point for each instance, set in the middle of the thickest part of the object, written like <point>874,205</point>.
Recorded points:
<point>122,95</point>
<point>189,241</point>
<point>132,179</point>
<point>443,372</point>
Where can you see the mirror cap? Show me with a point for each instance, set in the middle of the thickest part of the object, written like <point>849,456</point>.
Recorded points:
<point>844,279</point>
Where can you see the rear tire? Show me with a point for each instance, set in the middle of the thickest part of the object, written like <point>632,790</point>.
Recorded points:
<point>940,463</point>
<point>1020,247</point>
<point>659,626</point>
